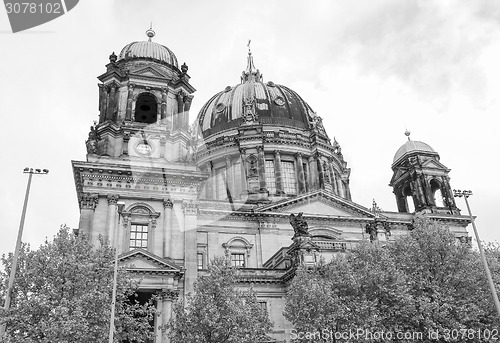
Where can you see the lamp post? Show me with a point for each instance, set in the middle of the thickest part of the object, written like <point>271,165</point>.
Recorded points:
<point>13,269</point>
<point>121,205</point>
<point>458,193</point>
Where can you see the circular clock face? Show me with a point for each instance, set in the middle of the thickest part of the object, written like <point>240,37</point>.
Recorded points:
<point>144,149</point>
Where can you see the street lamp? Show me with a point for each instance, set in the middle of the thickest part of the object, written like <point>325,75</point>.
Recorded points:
<point>6,306</point>
<point>458,193</point>
<point>121,205</point>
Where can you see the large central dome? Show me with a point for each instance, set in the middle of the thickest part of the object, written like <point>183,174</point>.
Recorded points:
<point>267,103</point>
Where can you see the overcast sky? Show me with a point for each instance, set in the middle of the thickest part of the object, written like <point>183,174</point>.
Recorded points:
<point>371,69</point>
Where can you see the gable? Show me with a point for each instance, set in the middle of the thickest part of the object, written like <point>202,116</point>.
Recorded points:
<point>318,208</point>
<point>148,71</point>
<point>142,260</point>
<point>433,164</point>
<point>319,203</point>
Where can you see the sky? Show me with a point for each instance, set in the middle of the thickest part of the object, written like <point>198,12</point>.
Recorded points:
<point>370,69</point>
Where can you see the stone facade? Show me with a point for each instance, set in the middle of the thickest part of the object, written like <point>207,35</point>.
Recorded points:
<point>171,196</point>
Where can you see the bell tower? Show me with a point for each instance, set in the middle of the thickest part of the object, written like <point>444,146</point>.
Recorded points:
<point>139,185</point>
<point>420,181</point>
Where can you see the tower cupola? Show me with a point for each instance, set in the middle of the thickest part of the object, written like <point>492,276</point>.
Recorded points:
<point>420,181</point>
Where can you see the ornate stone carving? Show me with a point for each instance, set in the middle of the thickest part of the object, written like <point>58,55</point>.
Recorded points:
<point>92,141</point>
<point>184,68</point>
<point>88,201</point>
<point>169,294</point>
<point>190,207</point>
<point>465,240</point>
<point>376,227</point>
<point>152,220</point>
<point>167,203</point>
<point>249,114</point>
<point>299,225</point>
<point>126,219</point>
<point>112,57</point>
<point>113,199</point>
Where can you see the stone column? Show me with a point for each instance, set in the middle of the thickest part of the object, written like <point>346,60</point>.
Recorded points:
<point>347,189</point>
<point>88,203</point>
<point>313,173</point>
<point>111,218</point>
<point>126,139</point>
<point>111,103</point>
<point>180,110</point>
<point>244,183</point>
<point>319,168</point>
<point>130,101</point>
<point>262,168</point>
<point>277,172</point>
<point>102,103</point>
<point>163,147</point>
<point>165,301</point>
<point>164,98</point>
<point>190,209</point>
<point>229,179</point>
<point>187,105</point>
<point>300,173</point>
<point>341,187</point>
<point>167,226</point>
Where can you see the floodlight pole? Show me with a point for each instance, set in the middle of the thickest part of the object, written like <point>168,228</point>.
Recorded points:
<point>13,268</point>
<point>121,205</point>
<point>466,194</point>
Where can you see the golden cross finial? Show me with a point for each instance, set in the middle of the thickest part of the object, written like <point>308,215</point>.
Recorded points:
<point>249,50</point>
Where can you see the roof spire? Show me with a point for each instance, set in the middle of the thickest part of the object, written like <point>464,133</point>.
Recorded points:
<point>407,134</point>
<point>150,33</point>
<point>251,73</point>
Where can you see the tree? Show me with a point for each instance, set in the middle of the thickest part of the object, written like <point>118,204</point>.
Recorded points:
<point>448,286</point>
<point>351,293</point>
<point>218,312</point>
<point>425,281</point>
<point>62,293</point>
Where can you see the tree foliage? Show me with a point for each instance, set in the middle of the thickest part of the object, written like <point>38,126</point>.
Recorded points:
<point>62,293</point>
<point>424,282</point>
<point>218,312</point>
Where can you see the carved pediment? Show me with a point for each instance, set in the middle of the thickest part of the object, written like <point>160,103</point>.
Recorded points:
<point>434,164</point>
<point>319,203</point>
<point>142,260</point>
<point>148,71</point>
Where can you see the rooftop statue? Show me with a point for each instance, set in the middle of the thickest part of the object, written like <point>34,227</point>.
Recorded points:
<point>299,225</point>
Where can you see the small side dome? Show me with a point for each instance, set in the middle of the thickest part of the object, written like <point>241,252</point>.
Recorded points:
<point>149,49</point>
<point>412,147</point>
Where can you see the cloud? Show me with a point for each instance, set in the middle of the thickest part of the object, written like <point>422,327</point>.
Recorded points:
<point>433,47</point>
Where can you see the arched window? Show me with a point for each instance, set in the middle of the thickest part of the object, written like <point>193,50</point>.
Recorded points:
<point>146,108</point>
<point>139,222</point>
<point>436,193</point>
<point>237,250</point>
<point>410,205</point>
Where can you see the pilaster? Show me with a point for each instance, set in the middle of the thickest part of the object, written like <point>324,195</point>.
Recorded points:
<point>167,227</point>
<point>88,203</point>
<point>190,209</point>
<point>111,218</point>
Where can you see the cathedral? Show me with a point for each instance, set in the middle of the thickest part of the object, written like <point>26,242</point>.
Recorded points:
<point>255,178</point>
